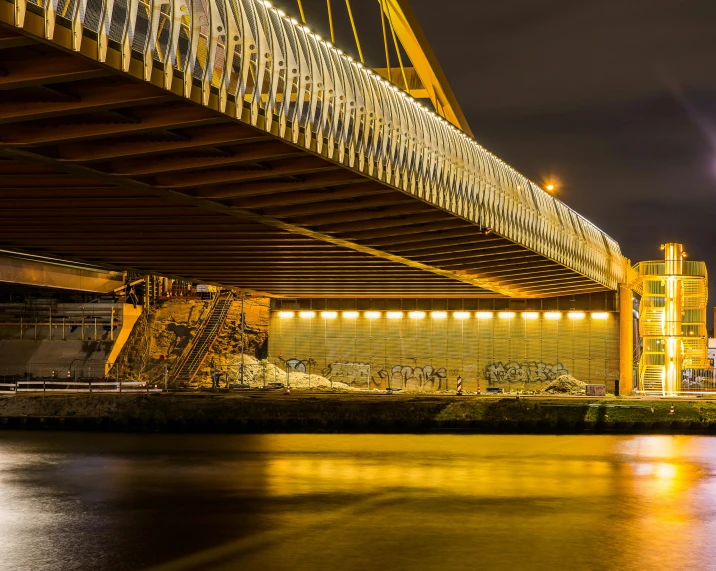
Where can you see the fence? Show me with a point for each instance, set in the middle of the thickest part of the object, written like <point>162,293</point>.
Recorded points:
<point>65,321</point>
<point>698,381</point>
<point>75,371</point>
<point>265,374</point>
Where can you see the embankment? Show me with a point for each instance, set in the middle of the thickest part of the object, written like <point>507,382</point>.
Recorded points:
<point>275,412</point>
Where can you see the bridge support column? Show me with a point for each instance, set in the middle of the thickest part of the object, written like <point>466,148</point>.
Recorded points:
<point>626,340</point>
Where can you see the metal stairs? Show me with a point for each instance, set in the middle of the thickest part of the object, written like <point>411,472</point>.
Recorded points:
<point>186,368</point>
<point>652,379</point>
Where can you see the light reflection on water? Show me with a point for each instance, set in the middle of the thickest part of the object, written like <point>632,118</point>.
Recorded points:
<point>103,501</point>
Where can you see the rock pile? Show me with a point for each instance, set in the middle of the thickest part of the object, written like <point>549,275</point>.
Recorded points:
<point>565,385</point>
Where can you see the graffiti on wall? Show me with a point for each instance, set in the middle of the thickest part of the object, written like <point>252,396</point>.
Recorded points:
<point>425,378</point>
<point>298,365</point>
<point>524,372</point>
<point>353,374</point>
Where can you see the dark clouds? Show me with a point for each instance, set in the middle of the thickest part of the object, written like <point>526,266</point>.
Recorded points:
<point>615,98</point>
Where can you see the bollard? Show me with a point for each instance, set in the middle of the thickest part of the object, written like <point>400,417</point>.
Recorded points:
<point>459,385</point>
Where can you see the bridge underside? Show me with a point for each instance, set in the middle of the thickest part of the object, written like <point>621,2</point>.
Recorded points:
<point>100,167</point>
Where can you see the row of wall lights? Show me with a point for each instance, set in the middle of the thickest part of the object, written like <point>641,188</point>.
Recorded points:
<point>529,315</point>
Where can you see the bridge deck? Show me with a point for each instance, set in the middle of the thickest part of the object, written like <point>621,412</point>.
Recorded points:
<point>98,165</point>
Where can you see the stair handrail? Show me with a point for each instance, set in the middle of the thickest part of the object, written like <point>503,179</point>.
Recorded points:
<point>179,363</point>
<point>208,342</point>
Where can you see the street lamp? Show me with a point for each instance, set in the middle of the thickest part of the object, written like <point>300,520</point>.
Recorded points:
<point>244,295</point>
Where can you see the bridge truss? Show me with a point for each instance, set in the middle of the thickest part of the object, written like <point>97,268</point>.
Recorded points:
<point>224,142</point>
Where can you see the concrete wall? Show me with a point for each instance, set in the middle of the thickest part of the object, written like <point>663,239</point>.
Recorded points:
<point>39,355</point>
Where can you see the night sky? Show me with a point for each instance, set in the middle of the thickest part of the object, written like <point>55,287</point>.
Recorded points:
<point>614,99</point>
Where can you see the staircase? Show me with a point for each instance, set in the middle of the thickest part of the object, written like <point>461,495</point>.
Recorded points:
<point>187,367</point>
<point>652,379</point>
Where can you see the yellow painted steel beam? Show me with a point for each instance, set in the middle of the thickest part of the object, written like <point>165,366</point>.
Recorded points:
<point>427,67</point>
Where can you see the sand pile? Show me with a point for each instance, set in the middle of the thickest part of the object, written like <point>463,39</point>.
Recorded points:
<point>565,385</point>
<point>260,373</point>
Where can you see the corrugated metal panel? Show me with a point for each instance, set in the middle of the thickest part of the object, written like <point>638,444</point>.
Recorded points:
<point>427,353</point>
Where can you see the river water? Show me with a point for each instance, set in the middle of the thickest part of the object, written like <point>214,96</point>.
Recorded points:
<point>85,501</point>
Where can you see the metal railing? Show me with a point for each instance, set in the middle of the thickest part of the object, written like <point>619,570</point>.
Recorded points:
<point>247,59</point>
<point>76,376</point>
<point>698,381</point>
<point>658,268</point>
<point>70,371</point>
<point>194,355</point>
<point>89,386</point>
<point>62,321</point>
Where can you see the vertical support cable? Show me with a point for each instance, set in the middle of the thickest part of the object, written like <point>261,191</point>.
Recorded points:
<point>397,51</point>
<point>330,21</point>
<point>385,39</point>
<point>355,30</point>
<point>300,9</point>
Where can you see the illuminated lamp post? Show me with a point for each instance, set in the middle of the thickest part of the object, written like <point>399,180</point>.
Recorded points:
<point>673,353</point>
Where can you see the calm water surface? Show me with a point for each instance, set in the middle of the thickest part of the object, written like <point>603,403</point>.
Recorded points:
<point>71,501</point>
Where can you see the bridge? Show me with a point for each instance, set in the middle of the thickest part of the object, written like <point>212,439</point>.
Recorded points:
<point>225,142</point>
